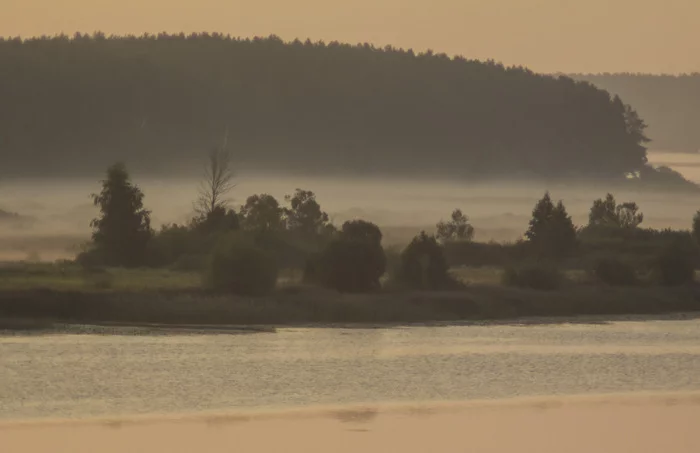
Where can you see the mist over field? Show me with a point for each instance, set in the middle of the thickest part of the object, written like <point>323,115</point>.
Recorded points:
<point>54,214</point>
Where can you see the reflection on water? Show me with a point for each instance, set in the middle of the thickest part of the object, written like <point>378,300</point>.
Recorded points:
<point>356,416</point>
<point>88,375</point>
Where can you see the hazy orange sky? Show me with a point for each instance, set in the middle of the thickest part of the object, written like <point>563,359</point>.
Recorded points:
<point>545,35</point>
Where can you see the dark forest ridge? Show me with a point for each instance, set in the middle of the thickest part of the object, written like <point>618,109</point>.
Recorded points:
<point>73,105</point>
<point>669,103</point>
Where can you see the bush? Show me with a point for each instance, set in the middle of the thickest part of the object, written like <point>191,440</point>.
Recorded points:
<point>352,262</point>
<point>171,243</point>
<point>98,279</point>
<point>463,253</point>
<point>239,266</point>
<point>675,265</point>
<point>539,277</point>
<point>190,262</point>
<point>423,265</point>
<point>614,272</point>
<point>351,265</point>
<point>90,258</point>
<point>290,250</point>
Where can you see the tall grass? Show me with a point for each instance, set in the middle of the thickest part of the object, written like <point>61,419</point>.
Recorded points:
<point>313,305</point>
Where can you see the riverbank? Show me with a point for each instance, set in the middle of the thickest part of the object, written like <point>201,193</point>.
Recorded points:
<point>298,305</point>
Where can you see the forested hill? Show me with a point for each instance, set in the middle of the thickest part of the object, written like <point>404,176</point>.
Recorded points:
<point>158,102</point>
<point>670,104</point>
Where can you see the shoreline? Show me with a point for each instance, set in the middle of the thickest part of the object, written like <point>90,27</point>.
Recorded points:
<point>122,328</point>
<point>199,312</point>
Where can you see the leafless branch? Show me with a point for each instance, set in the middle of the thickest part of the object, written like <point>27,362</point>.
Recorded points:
<point>217,181</point>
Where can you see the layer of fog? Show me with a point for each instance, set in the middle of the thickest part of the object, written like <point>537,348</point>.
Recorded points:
<point>55,214</point>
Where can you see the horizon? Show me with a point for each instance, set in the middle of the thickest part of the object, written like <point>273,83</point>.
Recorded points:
<point>289,41</point>
<point>547,36</point>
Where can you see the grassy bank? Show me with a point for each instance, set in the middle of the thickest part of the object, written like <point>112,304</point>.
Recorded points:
<point>39,294</point>
<point>299,305</point>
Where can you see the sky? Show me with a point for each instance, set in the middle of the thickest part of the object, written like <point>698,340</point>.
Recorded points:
<point>582,36</point>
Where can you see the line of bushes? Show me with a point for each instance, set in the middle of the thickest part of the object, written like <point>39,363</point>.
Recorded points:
<point>242,252</point>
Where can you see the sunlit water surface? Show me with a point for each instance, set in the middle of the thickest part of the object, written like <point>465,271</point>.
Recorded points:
<point>69,376</point>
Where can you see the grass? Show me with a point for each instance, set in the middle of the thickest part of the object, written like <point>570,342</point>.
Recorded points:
<point>66,276</point>
<point>306,305</point>
<point>63,292</point>
<point>493,276</point>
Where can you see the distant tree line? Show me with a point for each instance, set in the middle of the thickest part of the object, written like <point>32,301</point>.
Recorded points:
<point>74,104</point>
<point>669,103</point>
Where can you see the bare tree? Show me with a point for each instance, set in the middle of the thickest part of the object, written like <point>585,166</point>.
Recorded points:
<point>217,181</point>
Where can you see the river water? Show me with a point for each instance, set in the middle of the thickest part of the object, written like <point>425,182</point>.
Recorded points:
<point>57,375</point>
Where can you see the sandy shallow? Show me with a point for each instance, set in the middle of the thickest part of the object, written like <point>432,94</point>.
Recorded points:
<point>611,423</point>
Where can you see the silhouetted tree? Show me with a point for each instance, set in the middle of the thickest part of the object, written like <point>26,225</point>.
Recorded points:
<point>219,219</point>
<point>423,264</point>
<point>696,227</point>
<point>603,212</point>
<point>304,215</point>
<point>216,184</point>
<point>456,229</point>
<point>551,230</point>
<point>362,230</point>
<point>606,213</point>
<point>541,220</point>
<point>121,233</point>
<point>262,213</point>
<point>664,101</point>
<point>628,215</point>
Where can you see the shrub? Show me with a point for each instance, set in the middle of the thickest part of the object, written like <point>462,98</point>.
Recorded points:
<point>171,243</point>
<point>675,265</point>
<point>90,258</point>
<point>351,265</point>
<point>98,279</point>
<point>614,272</point>
<point>239,266</point>
<point>423,265</point>
<point>463,253</point>
<point>352,262</point>
<point>190,262</point>
<point>539,277</point>
<point>290,250</point>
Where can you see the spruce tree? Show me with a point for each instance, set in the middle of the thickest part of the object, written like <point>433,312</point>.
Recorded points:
<point>121,233</point>
<point>552,232</point>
